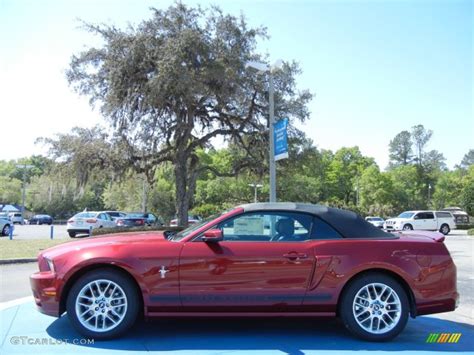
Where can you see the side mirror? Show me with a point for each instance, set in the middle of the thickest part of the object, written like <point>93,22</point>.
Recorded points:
<point>212,236</point>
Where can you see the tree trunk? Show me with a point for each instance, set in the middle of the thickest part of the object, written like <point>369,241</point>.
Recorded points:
<point>182,205</point>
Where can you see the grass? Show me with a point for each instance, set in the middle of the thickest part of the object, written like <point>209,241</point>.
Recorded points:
<point>17,249</point>
<point>470,231</point>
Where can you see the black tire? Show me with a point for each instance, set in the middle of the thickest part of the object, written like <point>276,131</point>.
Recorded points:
<point>72,234</point>
<point>444,229</point>
<point>407,227</point>
<point>6,230</point>
<point>132,298</point>
<point>347,303</point>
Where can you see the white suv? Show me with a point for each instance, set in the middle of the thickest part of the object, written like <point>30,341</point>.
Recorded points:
<point>422,220</point>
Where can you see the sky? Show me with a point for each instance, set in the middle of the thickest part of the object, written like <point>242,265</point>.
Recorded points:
<point>375,67</point>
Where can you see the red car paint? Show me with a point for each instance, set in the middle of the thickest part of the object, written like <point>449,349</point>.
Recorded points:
<point>250,278</point>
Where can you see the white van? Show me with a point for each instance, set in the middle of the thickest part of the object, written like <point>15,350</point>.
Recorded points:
<point>442,221</point>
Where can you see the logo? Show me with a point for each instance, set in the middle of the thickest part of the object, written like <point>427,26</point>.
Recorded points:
<point>443,337</point>
<point>163,271</point>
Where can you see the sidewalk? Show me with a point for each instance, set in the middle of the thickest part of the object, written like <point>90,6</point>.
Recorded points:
<point>24,330</point>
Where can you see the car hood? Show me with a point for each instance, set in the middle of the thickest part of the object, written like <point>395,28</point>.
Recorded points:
<point>105,240</point>
<point>396,219</point>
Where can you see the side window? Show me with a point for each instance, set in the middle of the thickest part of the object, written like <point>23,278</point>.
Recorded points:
<point>266,227</point>
<point>420,215</point>
<point>429,215</point>
<point>322,230</point>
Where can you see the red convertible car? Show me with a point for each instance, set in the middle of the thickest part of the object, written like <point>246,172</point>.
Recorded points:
<point>269,259</point>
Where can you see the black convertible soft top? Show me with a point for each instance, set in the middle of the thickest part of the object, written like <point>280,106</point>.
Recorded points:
<point>348,223</point>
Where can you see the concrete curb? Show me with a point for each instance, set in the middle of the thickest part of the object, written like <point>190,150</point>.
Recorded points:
<point>17,261</point>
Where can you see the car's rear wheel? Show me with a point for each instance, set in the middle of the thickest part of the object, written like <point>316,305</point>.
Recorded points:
<point>103,304</point>
<point>445,229</point>
<point>407,227</point>
<point>72,234</point>
<point>374,307</point>
<point>6,230</point>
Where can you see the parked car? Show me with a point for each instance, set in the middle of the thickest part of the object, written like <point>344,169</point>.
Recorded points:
<point>41,219</point>
<point>337,264</point>
<point>150,218</point>
<point>422,220</point>
<point>16,217</point>
<point>192,219</point>
<point>460,216</point>
<point>115,214</point>
<point>376,221</point>
<point>130,221</point>
<point>83,221</point>
<point>5,225</point>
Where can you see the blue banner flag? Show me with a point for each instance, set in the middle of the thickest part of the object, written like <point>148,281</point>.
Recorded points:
<point>280,139</point>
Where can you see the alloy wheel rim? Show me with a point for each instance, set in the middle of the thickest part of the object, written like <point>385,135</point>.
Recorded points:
<point>445,229</point>
<point>101,305</point>
<point>377,308</point>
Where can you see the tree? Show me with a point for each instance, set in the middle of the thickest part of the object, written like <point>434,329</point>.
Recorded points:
<point>467,193</point>
<point>172,84</point>
<point>420,137</point>
<point>468,159</point>
<point>400,149</point>
<point>344,173</point>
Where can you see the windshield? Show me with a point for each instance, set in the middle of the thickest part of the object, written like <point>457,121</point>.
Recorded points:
<point>375,219</point>
<point>406,215</point>
<point>135,215</point>
<point>184,233</point>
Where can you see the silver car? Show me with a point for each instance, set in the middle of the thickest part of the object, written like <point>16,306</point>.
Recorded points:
<point>5,225</point>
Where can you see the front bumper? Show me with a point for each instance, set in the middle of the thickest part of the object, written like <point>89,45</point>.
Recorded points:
<point>44,287</point>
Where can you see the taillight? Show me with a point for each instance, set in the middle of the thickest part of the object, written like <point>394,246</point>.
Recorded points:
<point>120,222</point>
<point>140,222</point>
<point>70,221</point>
<point>91,220</point>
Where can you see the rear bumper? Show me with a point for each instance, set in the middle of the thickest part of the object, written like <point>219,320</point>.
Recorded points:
<point>44,287</point>
<point>78,230</point>
<point>448,304</point>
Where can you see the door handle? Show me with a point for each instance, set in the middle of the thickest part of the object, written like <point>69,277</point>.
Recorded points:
<point>295,256</point>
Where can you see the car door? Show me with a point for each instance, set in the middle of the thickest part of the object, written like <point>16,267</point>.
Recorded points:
<point>419,221</point>
<point>430,221</point>
<point>265,259</point>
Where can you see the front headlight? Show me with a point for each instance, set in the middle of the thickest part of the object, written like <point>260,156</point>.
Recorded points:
<point>50,264</point>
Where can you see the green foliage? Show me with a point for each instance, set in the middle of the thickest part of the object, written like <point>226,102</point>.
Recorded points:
<point>470,231</point>
<point>10,190</point>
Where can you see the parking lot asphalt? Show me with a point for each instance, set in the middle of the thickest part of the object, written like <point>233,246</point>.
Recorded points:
<point>23,329</point>
<point>39,232</point>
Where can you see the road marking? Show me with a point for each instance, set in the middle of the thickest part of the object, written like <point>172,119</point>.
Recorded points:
<point>16,302</point>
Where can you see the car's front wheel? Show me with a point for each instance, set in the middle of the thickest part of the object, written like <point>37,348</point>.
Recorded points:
<point>6,230</point>
<point>72,234</point>
<point>407,227</point>
<point>374,307</point>
<point>103,304</point>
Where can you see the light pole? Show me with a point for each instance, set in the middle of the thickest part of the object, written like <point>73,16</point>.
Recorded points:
<point>23,192</point>
<point>265,68</point>
<point>255,187</point>
<point>429,195</point>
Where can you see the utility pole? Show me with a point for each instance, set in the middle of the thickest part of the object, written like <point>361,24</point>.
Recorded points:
<point>23,192</point>
<point>262,67</point>
<point>144,197</point>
